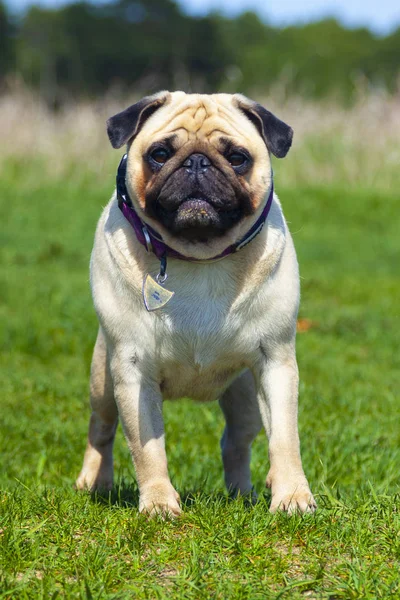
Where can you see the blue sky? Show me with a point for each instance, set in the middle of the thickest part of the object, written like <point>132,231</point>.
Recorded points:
<point>382,16</point>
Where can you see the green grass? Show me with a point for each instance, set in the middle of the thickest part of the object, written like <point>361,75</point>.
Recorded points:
<point>58,543</point>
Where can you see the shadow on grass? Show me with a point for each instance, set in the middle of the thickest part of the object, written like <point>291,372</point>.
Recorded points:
<point>123,495</point>
<point>126,495</point>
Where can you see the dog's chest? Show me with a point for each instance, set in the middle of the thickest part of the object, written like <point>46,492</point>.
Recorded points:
<point>201,364</point>
<point>203,339</point>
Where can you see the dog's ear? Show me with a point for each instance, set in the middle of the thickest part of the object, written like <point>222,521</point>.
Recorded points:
<point>125,125</point>
<point>275,133</point>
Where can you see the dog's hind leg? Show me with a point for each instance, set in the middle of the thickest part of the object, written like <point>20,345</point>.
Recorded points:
<point>97,470</point>
<point>243,423</point>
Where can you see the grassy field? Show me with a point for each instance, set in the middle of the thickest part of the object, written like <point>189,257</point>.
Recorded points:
<point>55,542</point>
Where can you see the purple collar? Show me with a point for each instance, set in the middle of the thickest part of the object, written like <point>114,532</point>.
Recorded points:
<point>152,240</point>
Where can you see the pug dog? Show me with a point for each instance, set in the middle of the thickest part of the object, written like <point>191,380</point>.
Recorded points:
<point>196,286</point>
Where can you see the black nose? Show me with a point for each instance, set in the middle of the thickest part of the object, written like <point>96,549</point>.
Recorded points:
<point>197,163</point>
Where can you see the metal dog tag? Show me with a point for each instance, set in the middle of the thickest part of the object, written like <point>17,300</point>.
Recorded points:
<point>154,295</point>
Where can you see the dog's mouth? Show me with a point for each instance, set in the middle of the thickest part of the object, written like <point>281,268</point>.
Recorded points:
<point>198,218</point>
<point>196,209</point>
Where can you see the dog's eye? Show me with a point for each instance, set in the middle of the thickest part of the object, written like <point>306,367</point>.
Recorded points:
<point>160,155</point>
<point>237,159</point>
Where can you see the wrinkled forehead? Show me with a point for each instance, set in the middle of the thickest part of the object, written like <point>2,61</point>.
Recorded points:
<point>205,118</point>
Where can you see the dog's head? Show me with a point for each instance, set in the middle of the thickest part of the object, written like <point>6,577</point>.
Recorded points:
<point>199,165</point>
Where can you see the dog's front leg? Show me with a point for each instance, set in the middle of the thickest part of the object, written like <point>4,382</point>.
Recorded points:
<point>139,403</point>
<point>278,407</point>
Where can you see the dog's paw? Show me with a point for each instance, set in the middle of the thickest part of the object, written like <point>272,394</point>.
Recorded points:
<point>92,481</point>
<point>298,501</point>
<point>159,498</point>
<point>291,496</point>
<point>97,471</point>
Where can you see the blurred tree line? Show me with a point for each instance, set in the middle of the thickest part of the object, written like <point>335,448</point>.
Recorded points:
<point>83,50</point>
